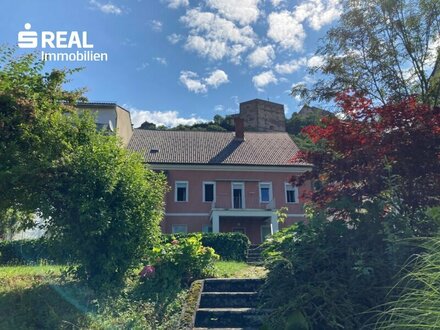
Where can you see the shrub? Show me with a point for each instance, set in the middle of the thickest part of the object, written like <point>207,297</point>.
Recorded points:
<point>107,210</point>
<point>332,274</point>
<point>32,251</point>
<point>229,246</point>
<point>175,264</point>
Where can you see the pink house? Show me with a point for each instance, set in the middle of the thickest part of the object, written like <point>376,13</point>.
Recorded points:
<point>225,181</point>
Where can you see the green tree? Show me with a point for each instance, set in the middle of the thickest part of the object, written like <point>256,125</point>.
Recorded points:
<point>386,49</point>
<point>97,197</point>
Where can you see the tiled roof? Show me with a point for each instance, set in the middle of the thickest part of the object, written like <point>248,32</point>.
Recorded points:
<point>193,147</point>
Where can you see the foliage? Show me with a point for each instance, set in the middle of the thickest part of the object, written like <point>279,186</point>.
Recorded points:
<point>334,273</point>
<point>229,246</point>
<point>34,133</point>
<point>418,303</point>
<point>13,221</point>
<point>98,198</point>
<point>32,251</point>
<point>370,145</point>
<point>191,305</point>
<point>385,49</point>
<point>105,208</point>
<point>34,297</point>
<point>177,263</point>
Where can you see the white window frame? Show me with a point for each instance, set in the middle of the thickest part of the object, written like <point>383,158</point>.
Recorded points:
<point>289,186</point>
<point>270,191</point>
<point>243,194</point>
<point>179,225</point>
<point>206,226</point>
<point>175,191</point>
<point>203,188</point>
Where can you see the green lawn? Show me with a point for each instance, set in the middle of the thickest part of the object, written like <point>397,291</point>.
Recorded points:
<point>35,297</point>
<point>238,270</point>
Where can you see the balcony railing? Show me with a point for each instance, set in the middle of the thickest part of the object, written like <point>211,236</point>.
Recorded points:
<point>248,202</point>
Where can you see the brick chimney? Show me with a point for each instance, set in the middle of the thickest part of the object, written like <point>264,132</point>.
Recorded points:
<point>239,128</point>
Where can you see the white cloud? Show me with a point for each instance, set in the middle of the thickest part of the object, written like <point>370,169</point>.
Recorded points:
<point>296,64</point>
<point>215,37</point>
<point>263,79</point>
<point>213,49</point>
<point>161,60</point>
<point>106,8</point>
<point>156,25</point>
<point>174,38</point>
<point>287,27</point>
<point>276,2</point>
<point>167,118</point>
<point>219,108</point>
<point>194,83</point>
<point>174,4</point>
<point>143,66</point>
<point>291,66</point>
<point>286,30</point>
<point>261,56</point>
<point>244,11</point>
<point>315,61</point>
<point>318,12</point>
<point>217,78</point>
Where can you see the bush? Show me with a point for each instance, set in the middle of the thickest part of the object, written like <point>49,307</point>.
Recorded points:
<point>229,246</point>
<point>333,274</point>
<point>32,251</point>
<point>175,264</point>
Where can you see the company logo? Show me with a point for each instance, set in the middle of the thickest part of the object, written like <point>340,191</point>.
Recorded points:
<point>60,40</point>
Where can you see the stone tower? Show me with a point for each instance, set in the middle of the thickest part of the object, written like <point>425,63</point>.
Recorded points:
<point>263,116</point>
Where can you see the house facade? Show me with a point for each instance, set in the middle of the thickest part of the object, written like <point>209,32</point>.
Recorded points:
<point>225,181</point>
<point>110,116</point>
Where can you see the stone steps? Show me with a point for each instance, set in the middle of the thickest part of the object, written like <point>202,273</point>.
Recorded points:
<point>228,299</point>
<point>232,285</point>
<point>228,317</point>
<point>229,304</point>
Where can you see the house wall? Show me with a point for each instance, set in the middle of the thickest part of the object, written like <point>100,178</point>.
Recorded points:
<point>195,213</point>
<point>123,125</point>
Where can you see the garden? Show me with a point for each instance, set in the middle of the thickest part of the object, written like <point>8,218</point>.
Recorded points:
<point>37,291</point>
<point>366,258</point>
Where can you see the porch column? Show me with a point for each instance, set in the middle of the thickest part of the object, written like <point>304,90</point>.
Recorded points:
<point>274,223</point>
<point>215,223</point>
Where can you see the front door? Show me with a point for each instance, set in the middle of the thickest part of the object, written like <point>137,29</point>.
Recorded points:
<point>265,232</point>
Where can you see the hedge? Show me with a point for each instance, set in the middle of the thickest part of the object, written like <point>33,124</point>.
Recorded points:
<point>32,251</point>
<point>230,246</point>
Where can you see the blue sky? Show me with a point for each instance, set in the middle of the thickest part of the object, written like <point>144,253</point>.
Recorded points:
<point>179,61</point>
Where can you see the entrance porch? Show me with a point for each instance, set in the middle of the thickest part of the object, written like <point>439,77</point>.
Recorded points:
<point>256,224</point>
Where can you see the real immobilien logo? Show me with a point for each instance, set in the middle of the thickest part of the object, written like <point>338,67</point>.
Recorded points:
<point>65,40</point>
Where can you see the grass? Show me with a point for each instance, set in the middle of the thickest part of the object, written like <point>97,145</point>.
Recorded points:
<point>35,297</point>
<point>234,269</point>
<point>30,299</point>
<point>418,303</point>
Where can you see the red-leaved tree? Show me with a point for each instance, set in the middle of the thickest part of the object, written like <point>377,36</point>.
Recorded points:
<point>368,146</point>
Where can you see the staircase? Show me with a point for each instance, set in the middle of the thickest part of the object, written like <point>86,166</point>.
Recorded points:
<point>254,255</point>
<point>229,304</point>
